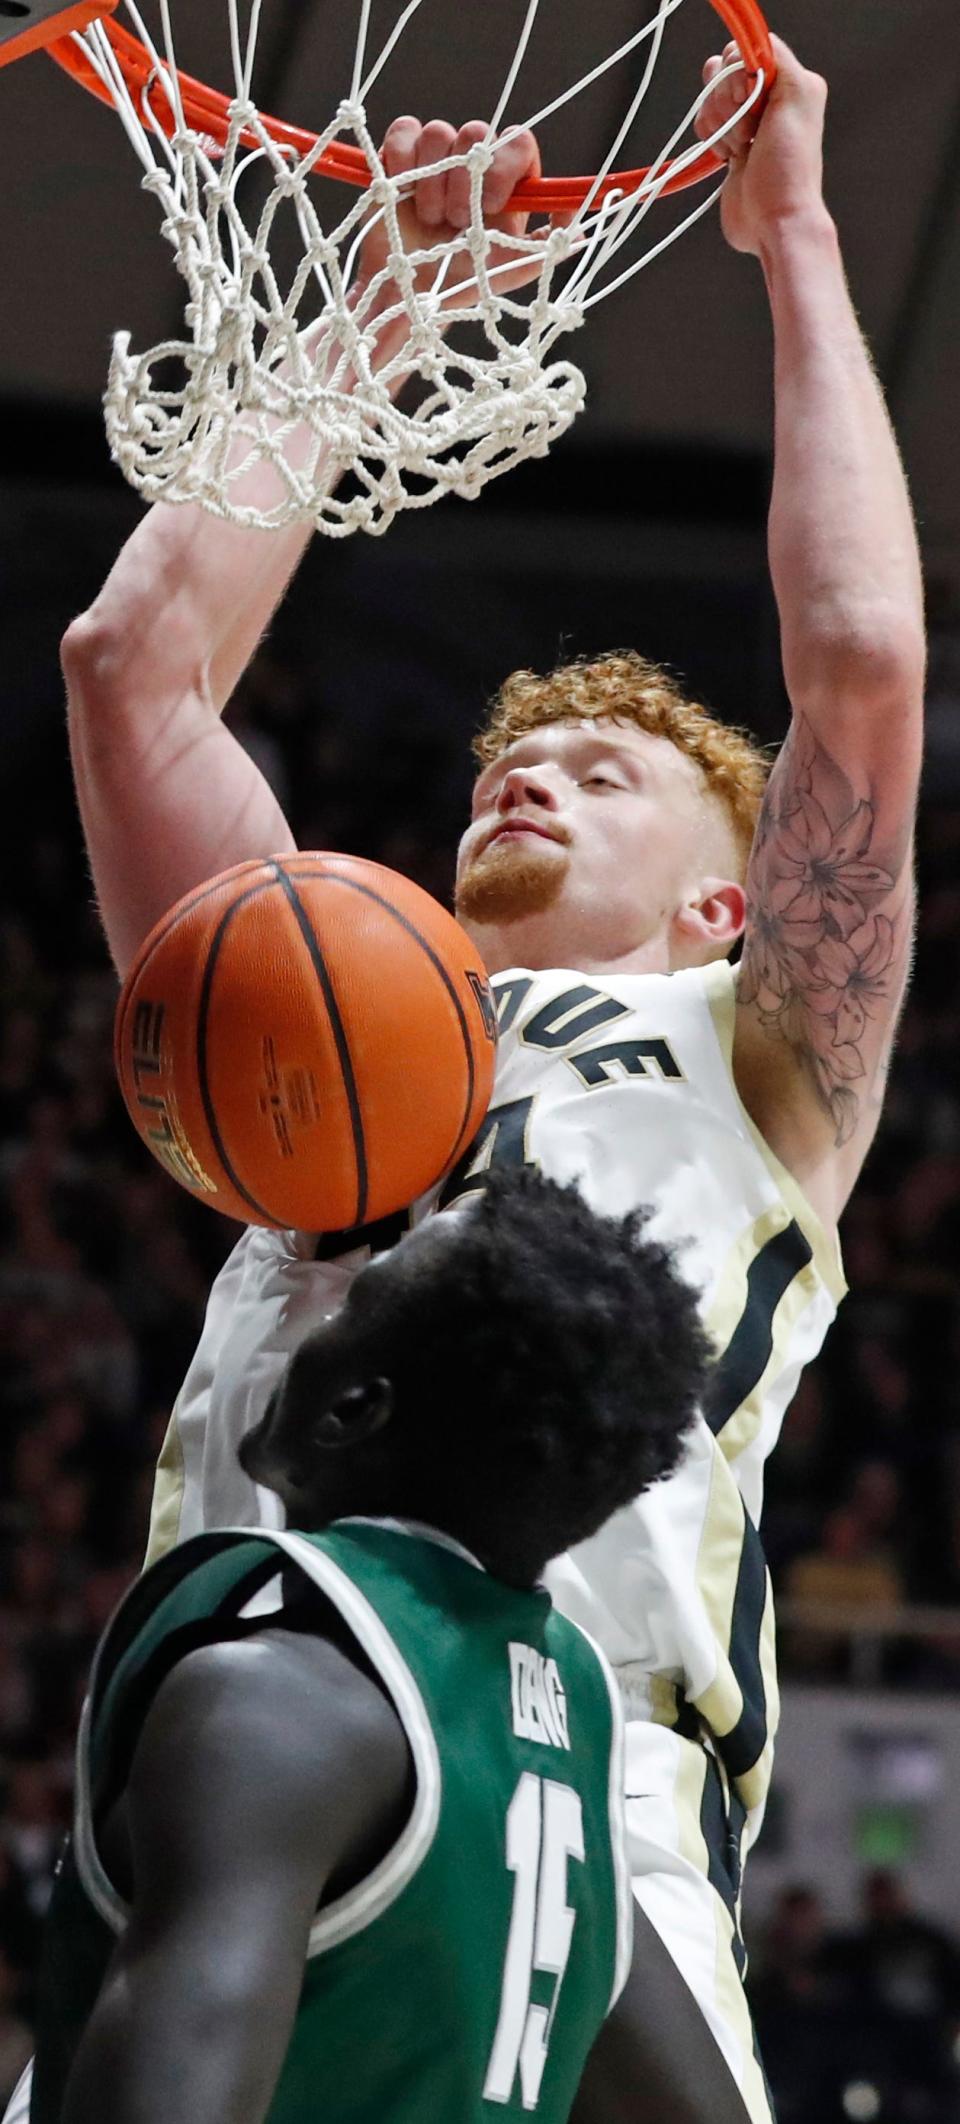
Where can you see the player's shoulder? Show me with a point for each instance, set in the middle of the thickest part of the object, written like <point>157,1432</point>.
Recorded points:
<point>273,1654</point>
<point>267,1760</point>
<point>290,1714</point>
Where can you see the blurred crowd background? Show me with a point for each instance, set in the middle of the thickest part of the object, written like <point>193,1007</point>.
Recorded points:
<point>105,1265</point>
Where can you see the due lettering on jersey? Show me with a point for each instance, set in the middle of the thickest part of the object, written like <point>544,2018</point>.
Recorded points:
<point>634,1058</point>
<point>537,1698</point>
<point>566,1019</point>
<point>555,1028</point>
<point>508,996</point>
<point>569,1017</point>
<point>486,1005</point>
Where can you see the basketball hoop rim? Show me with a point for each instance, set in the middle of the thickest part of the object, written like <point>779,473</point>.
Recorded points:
<point>207,110</point>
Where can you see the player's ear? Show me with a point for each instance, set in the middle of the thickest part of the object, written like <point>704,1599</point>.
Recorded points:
<point>715,916</point>
<point>356,1415</point>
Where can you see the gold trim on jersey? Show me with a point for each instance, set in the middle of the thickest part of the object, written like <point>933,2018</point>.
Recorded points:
<point>693,1769</point>
<point>721,1705</point>
<point>729,1562</point>
<point>753,1785</point>
<point>726,1574</point>
<point>688,1799</point>
<point>720,990</point>
<point>718,1570</point>
<point>664,1699</point>
<point>168,1492</point>
<point>727,1309</point>
<point>732,2000</point>
<point>357,1908</point>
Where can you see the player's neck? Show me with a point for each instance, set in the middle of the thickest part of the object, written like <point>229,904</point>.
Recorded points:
<point>466,1541</point>
<point>541,942</point>
<point>421,1529</point>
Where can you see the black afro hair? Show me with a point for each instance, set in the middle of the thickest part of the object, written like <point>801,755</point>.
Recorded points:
<point>546,1370</point>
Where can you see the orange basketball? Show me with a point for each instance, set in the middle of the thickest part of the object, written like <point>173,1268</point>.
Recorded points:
<point>307,1041</point>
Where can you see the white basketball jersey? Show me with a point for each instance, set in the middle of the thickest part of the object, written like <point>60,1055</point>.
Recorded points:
<point>620,1085</point>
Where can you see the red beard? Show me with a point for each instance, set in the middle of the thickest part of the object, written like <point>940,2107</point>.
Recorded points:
<point>509,880</point>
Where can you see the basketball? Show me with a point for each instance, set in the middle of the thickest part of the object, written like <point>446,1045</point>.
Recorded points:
<point>307,1041</point>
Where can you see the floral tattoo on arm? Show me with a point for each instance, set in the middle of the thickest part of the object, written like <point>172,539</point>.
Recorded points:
<point>828,925</point>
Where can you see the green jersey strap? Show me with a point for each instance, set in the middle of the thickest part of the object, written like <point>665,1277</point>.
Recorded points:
<point>361,1905</point>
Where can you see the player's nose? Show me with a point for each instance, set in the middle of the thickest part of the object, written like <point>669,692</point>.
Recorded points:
<point>525,786</point>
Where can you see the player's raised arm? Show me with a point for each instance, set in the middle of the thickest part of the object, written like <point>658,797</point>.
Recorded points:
<point>166,795</point>
<point>246,1793</point>
<point>830,888</point>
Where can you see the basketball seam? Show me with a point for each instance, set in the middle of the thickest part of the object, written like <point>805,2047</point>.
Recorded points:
<point>155,937</point>
<point>226,918</point>
<point>340,1037</point>
<point>182,907</point>
<point>439,967</point>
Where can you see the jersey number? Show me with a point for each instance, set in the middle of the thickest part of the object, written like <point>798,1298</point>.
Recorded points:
<point>544,1831</point>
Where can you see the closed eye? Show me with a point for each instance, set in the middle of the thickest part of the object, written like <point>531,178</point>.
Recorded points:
<point>600,781</point>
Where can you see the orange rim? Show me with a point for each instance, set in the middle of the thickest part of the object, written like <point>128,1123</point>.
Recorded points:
<point>207,111</point>
<point>60,21</point>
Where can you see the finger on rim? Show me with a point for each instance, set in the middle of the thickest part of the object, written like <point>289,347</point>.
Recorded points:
<point>517,159</point>
<point>458,181</point>
<point>399,150</point>
<point>434,145</point>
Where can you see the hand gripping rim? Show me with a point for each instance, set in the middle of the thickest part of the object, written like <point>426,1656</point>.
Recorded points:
<point>207,109</point>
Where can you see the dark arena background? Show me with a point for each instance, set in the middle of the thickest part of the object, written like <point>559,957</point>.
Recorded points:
<point>646,527</point>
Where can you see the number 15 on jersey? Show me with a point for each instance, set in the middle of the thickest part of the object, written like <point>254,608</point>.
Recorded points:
<point>544,1832</point>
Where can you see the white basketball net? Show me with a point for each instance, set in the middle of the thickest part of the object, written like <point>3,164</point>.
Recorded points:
<point>277,392</point>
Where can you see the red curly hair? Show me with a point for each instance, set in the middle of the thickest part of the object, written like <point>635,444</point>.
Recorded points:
<point>628,688</point>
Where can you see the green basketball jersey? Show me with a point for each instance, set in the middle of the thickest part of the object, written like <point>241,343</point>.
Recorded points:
<point>466,1978</point>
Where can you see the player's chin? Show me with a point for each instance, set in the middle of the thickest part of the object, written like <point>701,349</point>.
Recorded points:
<point>271,1471</point>
<point>512,878</point>
<point>254,1456</point>
<point>262,1455</point>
